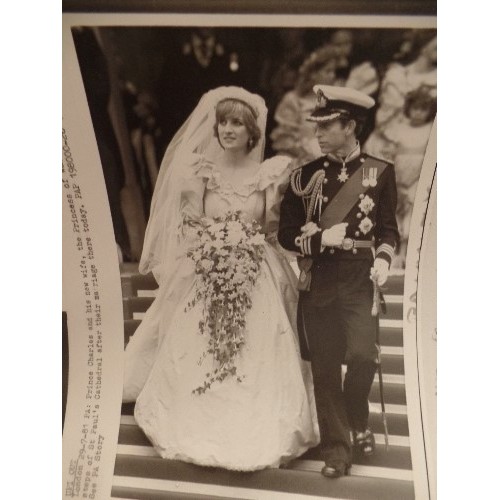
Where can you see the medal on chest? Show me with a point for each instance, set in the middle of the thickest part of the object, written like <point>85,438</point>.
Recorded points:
<point>369,177</point>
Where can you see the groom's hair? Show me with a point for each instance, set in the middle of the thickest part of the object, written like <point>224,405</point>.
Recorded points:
<point>231,107</point>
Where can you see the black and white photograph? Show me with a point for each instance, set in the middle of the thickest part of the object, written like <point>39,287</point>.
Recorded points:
<point>269,190</point>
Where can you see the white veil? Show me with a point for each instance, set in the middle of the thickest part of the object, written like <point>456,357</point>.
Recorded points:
<point>194,141</point>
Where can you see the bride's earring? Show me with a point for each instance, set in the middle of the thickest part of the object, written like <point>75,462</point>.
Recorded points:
<point>250,144</point>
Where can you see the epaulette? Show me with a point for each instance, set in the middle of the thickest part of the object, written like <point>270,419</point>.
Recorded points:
<point>294,165</point>
<point>304,168</point>
<point>377,158</point>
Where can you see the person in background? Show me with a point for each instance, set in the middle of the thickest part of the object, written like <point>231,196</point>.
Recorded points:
<point>398,82</point>
<point>280,65</point>
<point>294,135</point>
<point>144,137</point>
<point>409,141</point>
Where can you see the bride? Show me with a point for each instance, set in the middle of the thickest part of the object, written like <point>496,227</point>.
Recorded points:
<point>220,383</point>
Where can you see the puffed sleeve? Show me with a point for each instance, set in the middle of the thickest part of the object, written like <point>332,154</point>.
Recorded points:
<point>195,178</point>
<point>274,179</point>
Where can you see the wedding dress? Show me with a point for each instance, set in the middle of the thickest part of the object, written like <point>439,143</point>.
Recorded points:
<point>269,417</point>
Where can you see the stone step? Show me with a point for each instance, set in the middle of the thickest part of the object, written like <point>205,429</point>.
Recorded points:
<point>135,304</point>
<point>133,282</point>
<point>136,282</point>
<point>144,477</point>
<point>393,393</point>
<point>128,493</point>
<point>389,336</point>
<point>397,426</point>
<point>392,363</point>
<point>392,457</point>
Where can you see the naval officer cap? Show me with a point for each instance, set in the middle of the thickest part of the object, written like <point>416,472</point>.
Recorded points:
<point>339,102</point>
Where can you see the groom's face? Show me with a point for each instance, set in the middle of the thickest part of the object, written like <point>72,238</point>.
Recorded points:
<point>331,136</point>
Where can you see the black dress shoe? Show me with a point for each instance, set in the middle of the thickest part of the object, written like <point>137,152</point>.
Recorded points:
<point>364,443</point>
<point>336,469</point>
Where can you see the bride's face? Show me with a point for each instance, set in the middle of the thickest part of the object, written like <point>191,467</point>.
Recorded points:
<point>233,133</point>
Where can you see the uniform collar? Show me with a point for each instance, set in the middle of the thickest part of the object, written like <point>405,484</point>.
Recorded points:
<point>351,156</point>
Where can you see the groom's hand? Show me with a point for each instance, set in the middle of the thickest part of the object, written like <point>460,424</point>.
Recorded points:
<point>334,236</point>
<point>380,271</point>
<point>310,229</point>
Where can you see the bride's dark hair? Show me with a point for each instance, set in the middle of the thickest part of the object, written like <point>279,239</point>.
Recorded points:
<point>234,107</point>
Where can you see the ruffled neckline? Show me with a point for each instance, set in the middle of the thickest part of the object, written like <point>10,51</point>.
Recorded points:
<point>269,172</point>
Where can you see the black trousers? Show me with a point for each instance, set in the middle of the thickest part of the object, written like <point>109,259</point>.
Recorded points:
<point>338,327</point>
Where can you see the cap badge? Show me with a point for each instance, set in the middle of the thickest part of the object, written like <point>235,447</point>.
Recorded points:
<point>322,100</point>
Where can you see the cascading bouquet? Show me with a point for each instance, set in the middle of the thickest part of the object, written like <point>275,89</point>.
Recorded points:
<point>227,258</point>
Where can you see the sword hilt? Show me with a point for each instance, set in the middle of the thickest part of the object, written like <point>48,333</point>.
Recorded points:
<point>378,299</point>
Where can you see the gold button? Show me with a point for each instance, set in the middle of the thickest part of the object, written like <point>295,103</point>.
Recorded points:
<point>326,164</point>
<point>359,215</point>
<point>362,160</point>
<point>356,234</point>
<point>332,250</point>
<point>325,181</point>
<point>325,198</point>
<point>354,251</point>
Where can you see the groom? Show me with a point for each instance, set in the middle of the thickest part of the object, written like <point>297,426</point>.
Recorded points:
<point>339,214</point>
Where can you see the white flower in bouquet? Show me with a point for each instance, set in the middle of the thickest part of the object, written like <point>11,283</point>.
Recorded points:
<point>258,239</point>
<point>218,244</point>
<point>206,264</point>
<point>239,277</point>
<point>221,266</point>
<point>234,225</point>
<point>215,228</point>
<point>235,235</point>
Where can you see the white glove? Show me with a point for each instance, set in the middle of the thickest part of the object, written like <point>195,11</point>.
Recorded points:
<point>310,229</point>
<point>333,236</point>
<point>380,271</point>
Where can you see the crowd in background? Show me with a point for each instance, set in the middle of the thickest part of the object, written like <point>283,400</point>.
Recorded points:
<point>161,74</point>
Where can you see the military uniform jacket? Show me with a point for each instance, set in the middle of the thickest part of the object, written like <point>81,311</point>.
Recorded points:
<point>371,218</point>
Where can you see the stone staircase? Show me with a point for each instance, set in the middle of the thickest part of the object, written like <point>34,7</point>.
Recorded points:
<point>141,474</point>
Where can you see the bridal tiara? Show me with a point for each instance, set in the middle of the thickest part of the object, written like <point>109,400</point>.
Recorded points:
<point>254,101</point>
